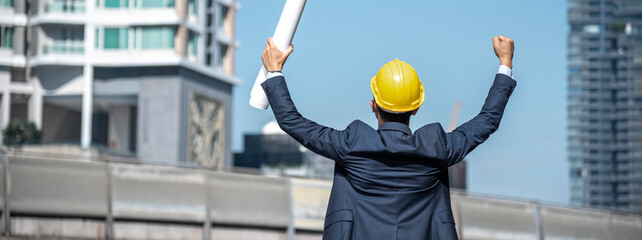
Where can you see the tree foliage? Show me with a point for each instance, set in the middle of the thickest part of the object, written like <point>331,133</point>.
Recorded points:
<point>21,132</point>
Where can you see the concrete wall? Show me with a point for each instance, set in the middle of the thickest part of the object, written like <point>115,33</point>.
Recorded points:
<point>63,199</point>
<point>19,44</point>
<point>159,114</point>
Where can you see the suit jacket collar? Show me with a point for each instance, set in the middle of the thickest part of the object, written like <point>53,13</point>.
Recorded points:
<point>395,126</point>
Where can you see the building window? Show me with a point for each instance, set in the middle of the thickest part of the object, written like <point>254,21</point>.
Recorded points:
<point>192,5</point>
<point>208,59</point>
<point>155,37</point>
<point>593,28</point>
<point>192,44</point>
<point>65,40</point>
<point>155,3</point>
<point>115,38</point>
<point>222,15</point>
<point>67,6</point>
<point>6,37</point>
<point>208,40</point>
<point>221,54</point>
<point>115,3</point>
<point>6,3</point>
<point>209,19</point>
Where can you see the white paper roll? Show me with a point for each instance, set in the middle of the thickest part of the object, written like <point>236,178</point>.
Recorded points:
<point>283,36</point>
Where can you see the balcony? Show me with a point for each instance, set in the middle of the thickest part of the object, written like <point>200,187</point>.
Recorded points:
<point>64,47</point>
<point>60,52</point>
<point>60,12</point>
<point>61,6</point>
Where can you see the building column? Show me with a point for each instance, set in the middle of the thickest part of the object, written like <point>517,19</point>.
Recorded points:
<point>6,106</point>
<point>87,106</point>
<point>35,105</point>
<point>88,79</point>
<point>5,84</point>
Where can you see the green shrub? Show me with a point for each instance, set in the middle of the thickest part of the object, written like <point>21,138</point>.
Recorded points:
<point>21,132</point>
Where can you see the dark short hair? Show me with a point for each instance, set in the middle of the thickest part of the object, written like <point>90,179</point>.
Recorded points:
<point>403,117</point>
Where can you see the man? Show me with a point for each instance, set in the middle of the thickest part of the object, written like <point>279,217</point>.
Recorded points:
<point>390,183</point>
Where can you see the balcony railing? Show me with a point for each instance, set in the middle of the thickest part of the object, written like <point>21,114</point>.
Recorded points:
<point>64,48</point>
<point>65,7</point>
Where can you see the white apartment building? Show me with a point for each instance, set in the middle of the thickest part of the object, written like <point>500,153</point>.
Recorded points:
<point>145,78</point>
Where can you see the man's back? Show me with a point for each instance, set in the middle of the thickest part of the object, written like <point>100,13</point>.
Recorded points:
<point>396,185</point>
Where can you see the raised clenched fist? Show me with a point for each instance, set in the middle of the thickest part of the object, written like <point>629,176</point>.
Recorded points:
<point>504,49</point>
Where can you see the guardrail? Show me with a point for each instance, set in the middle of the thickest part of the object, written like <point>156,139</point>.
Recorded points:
<point>58,198</point>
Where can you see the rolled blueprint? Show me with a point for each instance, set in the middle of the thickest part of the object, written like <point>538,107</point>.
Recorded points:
<point>283,35</point>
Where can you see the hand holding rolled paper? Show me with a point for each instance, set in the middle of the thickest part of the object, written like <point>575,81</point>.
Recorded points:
<point>273,58</point>
<point>282,39</point>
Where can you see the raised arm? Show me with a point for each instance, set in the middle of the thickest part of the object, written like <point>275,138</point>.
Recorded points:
<point>322,140</point>
<point>469,135</point>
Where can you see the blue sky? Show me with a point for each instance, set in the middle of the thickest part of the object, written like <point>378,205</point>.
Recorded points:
<point>340,45</point>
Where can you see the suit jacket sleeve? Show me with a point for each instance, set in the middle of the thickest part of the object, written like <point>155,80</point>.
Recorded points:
<point>320,139</point>
<point>466,137</point>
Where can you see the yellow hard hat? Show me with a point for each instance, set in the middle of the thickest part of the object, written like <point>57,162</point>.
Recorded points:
<point>397,88</point>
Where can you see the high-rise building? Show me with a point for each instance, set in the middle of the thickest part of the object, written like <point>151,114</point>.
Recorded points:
<point>149,78</point>
<point>605,103</point>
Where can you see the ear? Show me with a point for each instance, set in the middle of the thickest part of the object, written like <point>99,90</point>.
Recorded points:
<point>373,105</point>
<point>415,111</point>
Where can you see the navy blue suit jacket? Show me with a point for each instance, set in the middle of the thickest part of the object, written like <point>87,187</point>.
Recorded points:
<point>390,183</point>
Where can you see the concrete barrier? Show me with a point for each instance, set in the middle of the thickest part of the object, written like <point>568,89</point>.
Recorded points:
<point>62,199</point>
<point>565,223</point>
<point>626,226</point>
<point>483,218</point>
<point>157,193</point>
<point>58,187</point>
<point>248,200</point>
<point>309,202</point>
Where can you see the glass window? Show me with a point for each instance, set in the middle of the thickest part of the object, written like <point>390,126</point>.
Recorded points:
<point>575,90</point>
<point>9,37</point>
<point>574,70</point>
<point>222,15</point>
<point>193,44</point>
<point>6,37</point>
<point>152,38</point>
<point>574,49</point>
<point>593,28</point>
<point>193,6</point>
<point>157,37</point>
<point>115,38</point>
<point>220,56</point>
<point>155,3</point>
<point>116,3</point>
<point>68,6</point>
<point>6,3</point>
